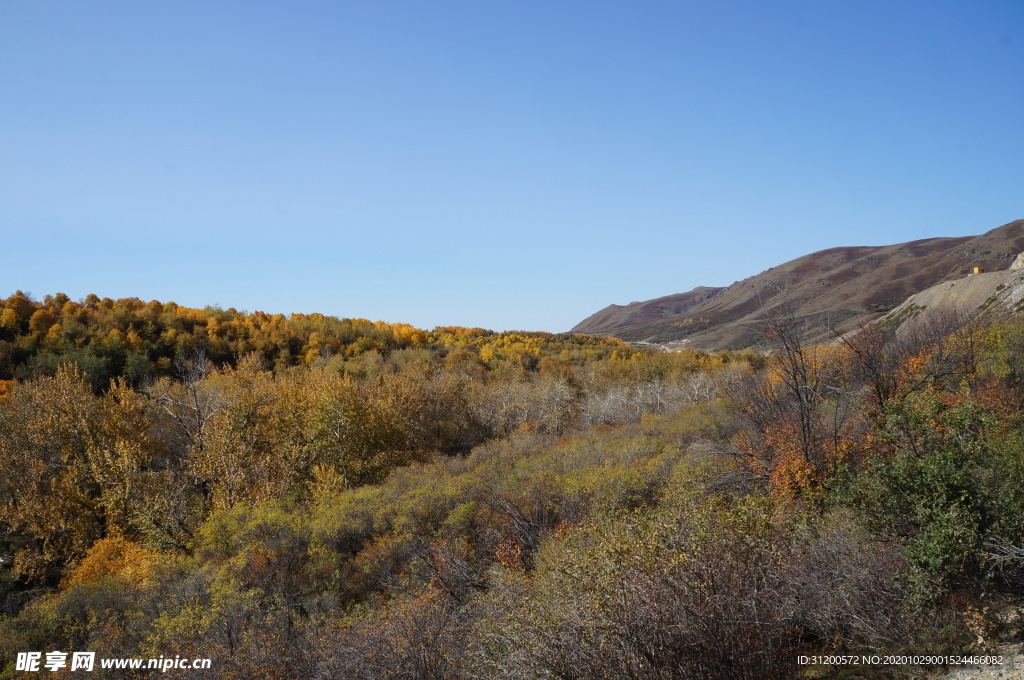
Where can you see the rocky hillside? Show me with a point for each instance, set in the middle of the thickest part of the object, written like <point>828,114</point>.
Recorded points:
<point>998,291</point>
<point>839,287</point>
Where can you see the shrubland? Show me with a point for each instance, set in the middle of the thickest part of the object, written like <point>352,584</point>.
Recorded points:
<point>309,497</point>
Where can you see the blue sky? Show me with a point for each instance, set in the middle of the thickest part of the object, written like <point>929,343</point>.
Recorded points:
<point>512,165</point>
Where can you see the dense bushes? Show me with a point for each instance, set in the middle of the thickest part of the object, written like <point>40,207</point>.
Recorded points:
<point>696,589</point>
<point>463,504</point>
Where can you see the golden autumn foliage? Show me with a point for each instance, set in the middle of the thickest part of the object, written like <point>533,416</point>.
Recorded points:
<point>141,340</point>
<point>305,496</point>
<point>115,556</point>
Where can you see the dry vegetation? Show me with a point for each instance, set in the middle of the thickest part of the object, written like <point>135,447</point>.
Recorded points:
<point>308,497</point>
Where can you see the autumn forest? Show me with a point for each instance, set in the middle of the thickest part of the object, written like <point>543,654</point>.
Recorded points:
<point>311,497</point>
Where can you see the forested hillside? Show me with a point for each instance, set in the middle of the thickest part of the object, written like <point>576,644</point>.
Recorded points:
<point>140,341</point>
<point>309,497</point>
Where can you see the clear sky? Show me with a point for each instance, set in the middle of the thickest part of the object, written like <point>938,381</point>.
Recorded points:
<point>512,165</point>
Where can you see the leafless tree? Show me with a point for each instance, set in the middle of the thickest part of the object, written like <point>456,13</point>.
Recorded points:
<point>193,402</point>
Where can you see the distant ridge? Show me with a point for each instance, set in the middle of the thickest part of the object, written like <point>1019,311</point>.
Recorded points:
<point>843,287</point>
<point>637,314</point>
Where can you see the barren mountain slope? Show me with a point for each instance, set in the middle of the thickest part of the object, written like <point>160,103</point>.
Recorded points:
<point>640,313</point>
<point>841,286</point>
<point>997,292</point>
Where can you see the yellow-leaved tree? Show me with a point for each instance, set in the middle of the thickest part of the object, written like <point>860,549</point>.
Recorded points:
<point>72,467</point>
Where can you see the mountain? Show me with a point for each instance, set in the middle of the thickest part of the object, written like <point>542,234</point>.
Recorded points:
<point>998,291</point>
<point>638,314</point>
<point>840,287</point>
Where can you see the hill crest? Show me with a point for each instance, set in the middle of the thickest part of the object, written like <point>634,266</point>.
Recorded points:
<point>845,286</point>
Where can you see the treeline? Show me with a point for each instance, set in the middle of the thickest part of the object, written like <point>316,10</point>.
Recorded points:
<point>522,505</point>
<point>140,341</point>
